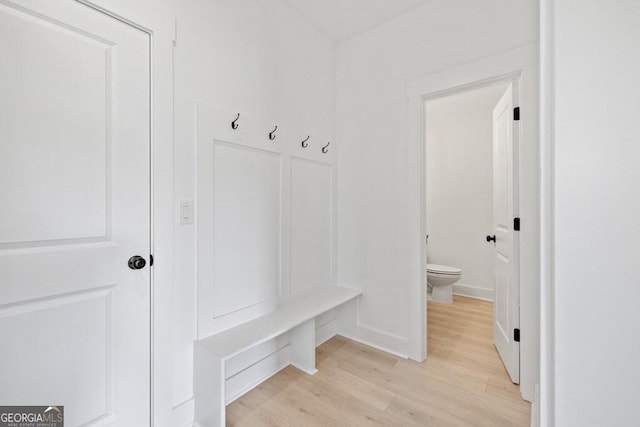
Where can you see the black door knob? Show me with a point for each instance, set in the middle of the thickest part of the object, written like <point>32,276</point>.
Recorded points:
<point>136,262</point>
<point>491,238</point>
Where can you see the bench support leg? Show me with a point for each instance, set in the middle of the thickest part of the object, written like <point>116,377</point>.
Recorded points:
<point>347,318</point>
<point>302,340</point>
<point>209,389</point>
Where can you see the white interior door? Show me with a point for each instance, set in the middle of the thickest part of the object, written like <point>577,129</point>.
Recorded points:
<point>505,197</point>
<point>74,191</point>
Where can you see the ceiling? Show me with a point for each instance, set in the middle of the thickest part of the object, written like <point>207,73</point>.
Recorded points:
<point>342,19</point>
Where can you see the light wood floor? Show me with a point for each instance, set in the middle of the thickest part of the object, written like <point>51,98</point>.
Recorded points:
<point>462,382</point>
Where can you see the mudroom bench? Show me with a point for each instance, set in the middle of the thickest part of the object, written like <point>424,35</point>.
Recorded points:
<point>297,318</point>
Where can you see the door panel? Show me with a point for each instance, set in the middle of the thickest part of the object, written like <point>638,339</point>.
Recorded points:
<point>505,180</point>
<point>52,75</point>
<point>74,181</point>
<point>46,327</point>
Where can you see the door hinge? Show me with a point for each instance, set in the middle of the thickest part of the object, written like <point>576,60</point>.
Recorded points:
<point>150,260</point>
<point>516,334</point>
<point>516,113</point>
<point>516,224</point>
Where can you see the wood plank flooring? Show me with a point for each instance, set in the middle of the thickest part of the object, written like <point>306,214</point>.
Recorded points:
<point>462,382</point>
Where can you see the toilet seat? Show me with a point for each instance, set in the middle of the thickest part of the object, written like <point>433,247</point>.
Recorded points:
<point>444,270</point>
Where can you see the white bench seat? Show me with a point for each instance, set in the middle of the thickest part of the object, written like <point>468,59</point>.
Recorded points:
<point>295,317</point>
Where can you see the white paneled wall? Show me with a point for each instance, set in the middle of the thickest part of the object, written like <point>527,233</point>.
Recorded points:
<point>265,230</point>
<point>239,206</point>
<point>311,222</point>
<point>256,57</point>
<point>239,228</point>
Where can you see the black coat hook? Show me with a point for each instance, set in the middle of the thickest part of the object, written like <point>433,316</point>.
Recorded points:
<point>234,125</point>
<point>272,135</point>
<point>305,143</point>
<point>326,148</point>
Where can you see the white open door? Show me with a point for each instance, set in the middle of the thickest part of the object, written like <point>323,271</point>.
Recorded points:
<point>506,312</point>
<point>75,192</point>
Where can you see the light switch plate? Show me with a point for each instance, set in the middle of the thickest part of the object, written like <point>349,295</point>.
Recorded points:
<point>185,212</point>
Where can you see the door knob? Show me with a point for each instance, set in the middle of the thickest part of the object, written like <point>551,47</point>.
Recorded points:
<point>136,262</point>
<point>491,238</point>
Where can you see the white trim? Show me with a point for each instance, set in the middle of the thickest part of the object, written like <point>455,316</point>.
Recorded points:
<point>326,331</point>
<point>417,337</point>
<point>388,343</point>
<point>95,6</point>
<point>473,292</point>
<point>521,61</point>
<point>242,382</point>
<point>546,403</point>
<point>163,215</point>
<point>487,70</point>
<point>535,408</point>
<point>184,413</point>
<point>511,76</point>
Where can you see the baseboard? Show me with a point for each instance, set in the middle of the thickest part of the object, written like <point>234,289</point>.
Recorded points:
<point>184,413</point>
<point>392,344</point>
<point>473,292</point>
<point>535,408</point>
<point>325,332</point>
<point>248,378</point>
<point>248,358</point>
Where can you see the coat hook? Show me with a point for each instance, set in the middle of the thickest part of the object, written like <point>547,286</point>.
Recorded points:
<point>326,148</point>
<point>305,144</point>
<point>234,125</point>
<point>272,135</point>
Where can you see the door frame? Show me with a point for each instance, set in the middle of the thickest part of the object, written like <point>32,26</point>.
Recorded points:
<point>522,64</point>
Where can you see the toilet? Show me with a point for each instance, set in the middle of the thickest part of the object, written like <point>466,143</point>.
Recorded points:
<point>440,280</point>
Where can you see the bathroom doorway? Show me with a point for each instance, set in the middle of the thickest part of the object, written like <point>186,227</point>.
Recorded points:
<point>471,197</point>
<point>521,67</point>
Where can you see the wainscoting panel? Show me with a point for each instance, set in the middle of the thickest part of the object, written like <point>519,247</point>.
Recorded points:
<point>246,228</point>
<point>266,234</point>
<point>311,223</point>
<point>239,229</point>
<point>265,216</point>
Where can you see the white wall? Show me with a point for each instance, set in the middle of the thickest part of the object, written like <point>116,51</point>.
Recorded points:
<point>375,222</point>
<point>597,205</point>
<point>257,57</point>
<point>459,168</point>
